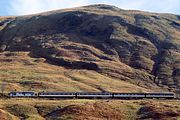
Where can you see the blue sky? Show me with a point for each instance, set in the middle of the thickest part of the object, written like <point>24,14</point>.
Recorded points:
<point>24,7</point>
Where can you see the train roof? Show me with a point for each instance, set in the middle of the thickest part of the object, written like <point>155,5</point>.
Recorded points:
<point>160,92</point>
<point>22,92</point>
<point>57,92</point>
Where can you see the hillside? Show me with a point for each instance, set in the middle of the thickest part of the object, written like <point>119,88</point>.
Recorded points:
<point>31,109</point>
<point>91,48</point>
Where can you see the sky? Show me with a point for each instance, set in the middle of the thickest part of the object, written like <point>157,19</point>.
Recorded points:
<point>25,7</point>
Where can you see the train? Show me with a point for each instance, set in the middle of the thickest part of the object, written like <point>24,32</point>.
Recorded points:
<point>93,95</point>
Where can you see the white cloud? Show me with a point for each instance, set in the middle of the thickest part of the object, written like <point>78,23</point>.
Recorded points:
<point>24,7</point>
<point>150,5</point>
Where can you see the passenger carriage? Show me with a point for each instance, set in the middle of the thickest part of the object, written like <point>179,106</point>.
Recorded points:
<point>94,95</point>
<point>128,95</point>
<point>165,95</point>
<point>57,94</point>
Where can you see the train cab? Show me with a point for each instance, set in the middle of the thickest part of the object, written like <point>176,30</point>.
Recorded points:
<point>22,94</point>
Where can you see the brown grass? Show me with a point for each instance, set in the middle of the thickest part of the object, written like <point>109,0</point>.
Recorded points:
<point>40,109</point>
<point>21,72</point>
<point>161,111</point>
<point>89,111</point>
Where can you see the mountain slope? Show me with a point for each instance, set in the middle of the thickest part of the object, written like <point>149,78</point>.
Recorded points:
<point>137,47</point>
